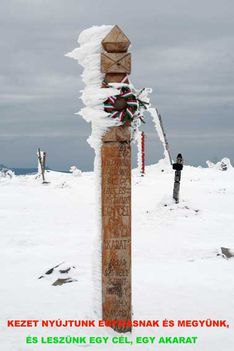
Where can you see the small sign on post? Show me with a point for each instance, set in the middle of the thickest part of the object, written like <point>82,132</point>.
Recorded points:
<point>178,166</point>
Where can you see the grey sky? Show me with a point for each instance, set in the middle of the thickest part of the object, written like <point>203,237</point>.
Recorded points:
<point>183,49</point>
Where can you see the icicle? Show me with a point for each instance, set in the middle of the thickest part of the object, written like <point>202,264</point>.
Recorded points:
<point>139,155</point>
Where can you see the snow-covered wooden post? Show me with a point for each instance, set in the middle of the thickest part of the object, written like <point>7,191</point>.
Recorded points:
<point>41,155</point>
<point>178,166</point>
<point>116,192</point>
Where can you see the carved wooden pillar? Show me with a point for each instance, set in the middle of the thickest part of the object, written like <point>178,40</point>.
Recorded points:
<point>116,193</point>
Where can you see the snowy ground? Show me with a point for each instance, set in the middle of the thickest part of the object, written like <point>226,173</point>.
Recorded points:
<point>177,273</point>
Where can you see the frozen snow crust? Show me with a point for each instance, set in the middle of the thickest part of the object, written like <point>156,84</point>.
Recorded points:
<point>178,272</point>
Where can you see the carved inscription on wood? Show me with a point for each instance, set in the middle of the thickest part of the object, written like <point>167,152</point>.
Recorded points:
<point>116,231</point>
<point>115,63</point>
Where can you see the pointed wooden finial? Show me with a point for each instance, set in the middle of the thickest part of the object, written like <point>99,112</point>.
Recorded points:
<point>116,41</point>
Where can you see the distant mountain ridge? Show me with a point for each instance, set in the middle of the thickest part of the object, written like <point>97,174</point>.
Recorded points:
<point>2,166</point>
<point>20,171</point>
<point>24,171</point>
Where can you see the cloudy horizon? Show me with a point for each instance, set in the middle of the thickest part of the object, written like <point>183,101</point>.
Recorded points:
<point>182,50</point>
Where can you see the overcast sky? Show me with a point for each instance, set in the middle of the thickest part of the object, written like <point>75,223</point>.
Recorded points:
<point>183,49</point>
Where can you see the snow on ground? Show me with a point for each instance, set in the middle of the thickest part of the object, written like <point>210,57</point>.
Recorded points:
<point>177,273</point>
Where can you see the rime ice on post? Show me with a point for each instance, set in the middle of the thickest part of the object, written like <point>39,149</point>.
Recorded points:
<point>142,154</point>
<point>116,192</point>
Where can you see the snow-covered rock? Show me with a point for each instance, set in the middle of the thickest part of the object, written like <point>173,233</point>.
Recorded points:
<point>223,165</point>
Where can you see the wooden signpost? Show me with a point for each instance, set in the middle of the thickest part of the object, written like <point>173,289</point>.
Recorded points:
<point>41,155</point>
<point>177,166</point>
<point>116,192</point>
